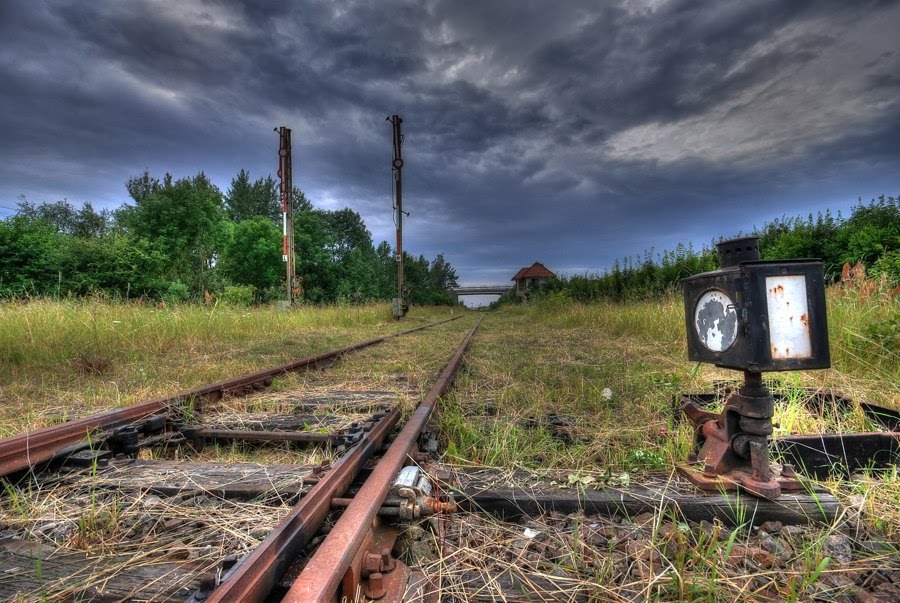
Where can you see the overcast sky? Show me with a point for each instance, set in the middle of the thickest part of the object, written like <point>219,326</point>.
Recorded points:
<point>565,132</point>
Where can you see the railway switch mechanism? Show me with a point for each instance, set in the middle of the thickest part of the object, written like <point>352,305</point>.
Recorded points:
<point>753,316</point>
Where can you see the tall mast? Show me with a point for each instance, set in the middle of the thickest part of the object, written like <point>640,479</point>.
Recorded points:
<point>287,208</point>
<point>399,306</point>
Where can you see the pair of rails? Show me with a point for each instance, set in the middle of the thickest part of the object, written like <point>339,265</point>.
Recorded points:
<point>354,556</point>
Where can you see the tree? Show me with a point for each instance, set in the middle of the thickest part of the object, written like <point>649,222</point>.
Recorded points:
<point>186,222</point>
<point>262,197</point>
<point>63,216</point>
<point>415,279</point>
<point>253,255</point>
<point>29,256</point>
<point>357,275</point>
<point>246,199</point>
<point>145,185</point>
<point>443,275</point>
<point>314,265</point>
<point>385,271</point>
<point>301,203</point>
<point>346,232</point>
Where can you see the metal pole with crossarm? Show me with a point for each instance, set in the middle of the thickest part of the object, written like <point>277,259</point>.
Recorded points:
<point>399,306</point>
<point>287,208</point>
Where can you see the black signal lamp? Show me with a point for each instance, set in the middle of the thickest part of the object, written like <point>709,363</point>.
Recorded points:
<point>754,316</point>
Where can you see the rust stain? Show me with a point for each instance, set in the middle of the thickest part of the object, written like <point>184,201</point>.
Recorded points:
<point>805,320</point>
<point>774,352</point>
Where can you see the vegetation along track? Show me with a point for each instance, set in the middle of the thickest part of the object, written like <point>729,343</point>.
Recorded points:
<point>559,437</point>
<point>126,504</point>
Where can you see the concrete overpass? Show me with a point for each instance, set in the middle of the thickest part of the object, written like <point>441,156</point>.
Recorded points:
<point>457,292</point>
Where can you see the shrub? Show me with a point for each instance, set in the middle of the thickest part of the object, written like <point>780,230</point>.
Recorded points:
<point>177,292</point>
<point>888,268</point>
<point>239,295</point>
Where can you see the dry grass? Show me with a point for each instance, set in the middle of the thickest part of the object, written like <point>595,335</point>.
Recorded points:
<point>607,371</point>
<point>612,370</point>
<point>530,366</point>
<point>647,558</point>
<point>119,532</point>
<point>65,359</point>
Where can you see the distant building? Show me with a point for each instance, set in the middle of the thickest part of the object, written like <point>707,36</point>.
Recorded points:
<point>528,277</point>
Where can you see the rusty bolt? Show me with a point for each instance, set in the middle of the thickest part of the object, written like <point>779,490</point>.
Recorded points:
<point>371,564</point>
<point>434,505</point>
<point>387,562</point>
<point>376,588</point>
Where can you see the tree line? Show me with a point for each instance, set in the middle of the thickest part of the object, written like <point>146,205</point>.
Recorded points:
<point>183,239</point>
<point>871,235</point>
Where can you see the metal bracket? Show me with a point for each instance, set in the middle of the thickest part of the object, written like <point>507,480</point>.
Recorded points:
<point>733,445</point>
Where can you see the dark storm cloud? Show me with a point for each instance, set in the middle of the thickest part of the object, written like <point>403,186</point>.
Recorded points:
<point>570,134</point>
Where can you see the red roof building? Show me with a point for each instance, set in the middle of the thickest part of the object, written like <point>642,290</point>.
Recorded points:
<point>530,276</point>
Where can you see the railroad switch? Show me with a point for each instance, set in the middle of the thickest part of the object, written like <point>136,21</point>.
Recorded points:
<point>378,575</point>
<point>411,496</point>
<point>754,316</point>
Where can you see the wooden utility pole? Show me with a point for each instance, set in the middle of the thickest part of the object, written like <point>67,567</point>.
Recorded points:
<point>287,208</point>
<point>399,306</point>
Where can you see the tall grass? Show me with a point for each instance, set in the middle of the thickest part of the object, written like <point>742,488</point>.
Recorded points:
<point>64,358</point>
<point>864,332</point>
<point>45,332</point>
<point>613,368</point>
<point>863,326</point>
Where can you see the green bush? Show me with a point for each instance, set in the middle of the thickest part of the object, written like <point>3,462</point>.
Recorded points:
<point>239,295</point>
<point>871,235</point>
<point>885,333</point>
<point>177,292</point>
<point>888,268</point>
<point>29,257</point>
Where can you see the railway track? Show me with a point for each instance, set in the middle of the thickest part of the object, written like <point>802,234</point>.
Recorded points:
<point>156,520</point>
<point>308,492</point>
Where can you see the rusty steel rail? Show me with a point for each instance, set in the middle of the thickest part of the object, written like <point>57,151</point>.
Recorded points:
<point>254,577</point>
<point>29,449</point>
<point>322,576</point>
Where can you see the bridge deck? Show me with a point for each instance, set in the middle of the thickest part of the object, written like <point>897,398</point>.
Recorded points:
<point>482,290</point>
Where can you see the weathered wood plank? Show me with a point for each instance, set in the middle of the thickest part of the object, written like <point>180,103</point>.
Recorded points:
<point>36,572</point>
<point>257,435</point>
<point>476,492</point>
<point>273,421</point>
<point>228,480</point>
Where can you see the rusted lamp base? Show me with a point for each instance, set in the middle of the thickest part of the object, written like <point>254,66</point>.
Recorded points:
<point>783,480</point>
